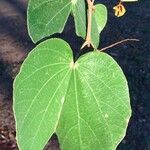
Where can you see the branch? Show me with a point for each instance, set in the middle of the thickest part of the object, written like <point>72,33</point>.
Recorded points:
<point>117,43</point>
<point>89,27</point>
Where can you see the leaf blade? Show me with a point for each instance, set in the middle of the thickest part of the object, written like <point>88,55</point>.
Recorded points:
<point>88,120</point>
<point>38,101</point>
<point>99,20</point>
<point>41,23</point>
<point>100,16</point>
<point>86,103</point>
<point>79,14</point>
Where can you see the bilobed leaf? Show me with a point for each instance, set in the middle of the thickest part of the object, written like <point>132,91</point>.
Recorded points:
<point>47,17</point>
<point>85,103</point>
<point>99,21</point>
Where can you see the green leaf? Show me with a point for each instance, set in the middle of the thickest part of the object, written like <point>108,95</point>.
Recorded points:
<point>100,15</point>
<point>47,17</point>
<point>99,21</point>
<point>39,92</point>
<point>86,103</point>
<point>79,13</point>
<point>94,33</point>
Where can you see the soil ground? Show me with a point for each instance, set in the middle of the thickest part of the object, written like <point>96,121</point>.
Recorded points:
<point>134,58</point>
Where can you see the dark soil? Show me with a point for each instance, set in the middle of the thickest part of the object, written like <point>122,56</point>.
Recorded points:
<point>134,58</point>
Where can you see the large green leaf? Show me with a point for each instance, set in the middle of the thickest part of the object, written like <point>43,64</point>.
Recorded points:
<point>47,17</point>
<point>86,103</point>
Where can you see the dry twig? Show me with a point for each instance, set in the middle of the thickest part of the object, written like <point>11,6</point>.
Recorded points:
<point>117,43</point>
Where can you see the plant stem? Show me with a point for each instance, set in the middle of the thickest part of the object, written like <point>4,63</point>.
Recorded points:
<point>117,43</point>
<point>89,26</point>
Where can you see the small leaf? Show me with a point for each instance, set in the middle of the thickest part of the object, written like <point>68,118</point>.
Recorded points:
<point>79,13</point>
<point>100,16</point>
<point>99,21</point>
<point>47,17</point>
<point>86,103</point>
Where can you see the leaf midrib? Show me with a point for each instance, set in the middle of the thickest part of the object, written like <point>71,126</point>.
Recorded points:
<point>97,103</point>
<point>78,113</point>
